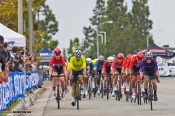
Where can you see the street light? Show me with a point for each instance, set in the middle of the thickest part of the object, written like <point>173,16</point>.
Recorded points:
<point>109,22</point>
<point>103,32</point>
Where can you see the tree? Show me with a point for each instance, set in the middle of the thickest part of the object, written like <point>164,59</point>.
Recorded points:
<point>42,35</point>
<point>117,33</point>
<point>141,24</point>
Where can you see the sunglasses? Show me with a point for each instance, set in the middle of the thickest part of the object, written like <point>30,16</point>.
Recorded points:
<point>148,58</point>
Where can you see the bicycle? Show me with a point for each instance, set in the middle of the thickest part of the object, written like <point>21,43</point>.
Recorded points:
<point>58,97</point>
<point>118,93</point>
<point>108,84</point>
<point>128,89</point>
<point>77,91</point>
<point>89,86</point>
<point>150,92</point>
<point>139,91</point>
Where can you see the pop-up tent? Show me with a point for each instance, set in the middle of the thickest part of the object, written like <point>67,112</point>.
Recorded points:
<point>158,51</point>
<point>12,37</point>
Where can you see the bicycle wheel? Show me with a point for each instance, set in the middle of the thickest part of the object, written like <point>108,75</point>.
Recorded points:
<point>89,88</point>
<point>107,88</point>
<point>151,95</point>
<point>119,92</point>
<point>102,91</point>
<point>58,96</point>
<point>78,95</point>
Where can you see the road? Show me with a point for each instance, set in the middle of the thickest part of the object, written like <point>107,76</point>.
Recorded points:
<point>103,107</point>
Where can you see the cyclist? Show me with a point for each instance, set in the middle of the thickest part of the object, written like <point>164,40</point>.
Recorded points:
<point>107,68</point>
<point>57,66</point>
<point>125,71</point>
<point>98,69</point>
<point>134,71</point>
<point>77,71</point>
<point>149,68</point>
<point>89,69</point>
<point>116,69</point>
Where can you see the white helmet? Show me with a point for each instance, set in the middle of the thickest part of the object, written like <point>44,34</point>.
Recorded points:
<point>78,54</point>
<point>110,59</point>
<point>148,55</point>
<point>89,60</point>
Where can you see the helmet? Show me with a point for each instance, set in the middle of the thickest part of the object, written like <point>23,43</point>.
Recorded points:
<point>140,56</point>
<point>110,59</point>
<point>101,58</point>
<point>120,56</point>
<point>128,56</point>
<point>57,51</point>
<point>148,55</point>
<point>78,54</point>
<point>89,60</point>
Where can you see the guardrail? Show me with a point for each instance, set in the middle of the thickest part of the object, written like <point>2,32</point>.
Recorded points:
<point>16,87</point>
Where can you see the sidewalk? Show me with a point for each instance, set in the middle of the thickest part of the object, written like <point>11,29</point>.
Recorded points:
<point>41,97</point>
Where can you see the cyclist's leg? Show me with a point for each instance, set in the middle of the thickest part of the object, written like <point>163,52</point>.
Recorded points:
<point>73,87</point>
<point>54,83</point>
<point>146,85</point>
<point>154,82</point>
<point>114,85</point>
<point>133,85</point>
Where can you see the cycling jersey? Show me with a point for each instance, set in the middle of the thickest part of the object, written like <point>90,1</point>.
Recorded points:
<point>117,65</point>
<point>106,68</point>
<point>98,65</point>
<point>57,62</point>
<point>149,69</point>
<point>68,67</point>
<point>89,66</point>
<point>77,65</point>
<point>134,64</point>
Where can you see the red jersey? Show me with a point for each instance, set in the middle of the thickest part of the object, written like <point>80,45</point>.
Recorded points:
<point>58,62</point>
<point>134,62</point>
<point>117,64</point>
<point>106,67</point>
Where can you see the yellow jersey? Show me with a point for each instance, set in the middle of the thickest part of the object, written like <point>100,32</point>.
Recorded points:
<point>77,65</point>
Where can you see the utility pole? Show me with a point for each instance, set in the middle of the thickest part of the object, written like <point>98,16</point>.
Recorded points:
<point>20,16</point>
<point>30,26</point>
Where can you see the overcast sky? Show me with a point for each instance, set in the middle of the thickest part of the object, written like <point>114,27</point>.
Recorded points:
<point>73,15</point>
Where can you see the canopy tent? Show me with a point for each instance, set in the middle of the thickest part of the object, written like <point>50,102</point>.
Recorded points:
<point>45,54</point>
<point>158,51</point>
<point>12,37</point>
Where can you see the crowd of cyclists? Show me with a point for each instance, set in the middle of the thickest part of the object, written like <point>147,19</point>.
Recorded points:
<point>117,67</point>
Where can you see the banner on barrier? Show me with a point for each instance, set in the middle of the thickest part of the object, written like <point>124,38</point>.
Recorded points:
<point>16,87</point>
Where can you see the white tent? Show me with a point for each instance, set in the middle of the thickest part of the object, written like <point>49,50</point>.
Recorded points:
<point>12,37</point>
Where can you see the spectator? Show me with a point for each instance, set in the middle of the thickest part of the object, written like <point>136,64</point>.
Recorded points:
<point>1,42</point>
<point>18,63</point>
<point>4,71</point>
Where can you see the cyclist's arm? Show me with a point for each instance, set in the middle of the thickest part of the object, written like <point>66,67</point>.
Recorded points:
<point>141,69</point>
<point>50,67</point>
<point>84,66</point>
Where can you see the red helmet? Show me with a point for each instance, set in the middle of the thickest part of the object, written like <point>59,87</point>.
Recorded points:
<point>57,51</point>
<point>120,56</point>
<point>140,56</point>
<point>128,56</point>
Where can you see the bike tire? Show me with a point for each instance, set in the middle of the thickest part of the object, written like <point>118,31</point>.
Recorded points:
<point>119,93</point>
<point>89,90</point>
<point>127,96</point>
<point>58,96</point>
<point>107,90</point>
<point>102,91</point>
<point>151,99</point>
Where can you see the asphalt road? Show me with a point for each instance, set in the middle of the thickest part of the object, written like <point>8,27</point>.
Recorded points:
<point>102,107</point>
<point>98,106</point>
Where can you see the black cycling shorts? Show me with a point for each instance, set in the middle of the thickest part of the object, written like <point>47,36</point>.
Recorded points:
<point>59,70</point>
<point>76,73</point>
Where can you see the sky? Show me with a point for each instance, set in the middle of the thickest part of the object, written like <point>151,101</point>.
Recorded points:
<point>73,15</point>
